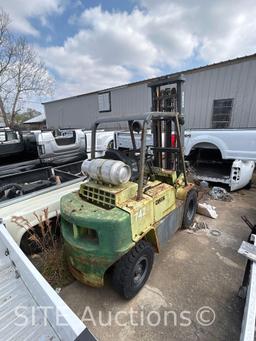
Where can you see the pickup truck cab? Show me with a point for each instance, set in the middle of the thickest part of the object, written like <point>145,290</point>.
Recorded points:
<point>58,146</point>
<point>11,143</point>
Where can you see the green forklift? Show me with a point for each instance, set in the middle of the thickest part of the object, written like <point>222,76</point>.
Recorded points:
<point>133,202</point>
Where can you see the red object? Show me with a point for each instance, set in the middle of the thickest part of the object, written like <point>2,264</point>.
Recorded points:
<point>173,139</point>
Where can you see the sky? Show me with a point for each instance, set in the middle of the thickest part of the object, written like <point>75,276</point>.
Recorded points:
<point>90,45</point>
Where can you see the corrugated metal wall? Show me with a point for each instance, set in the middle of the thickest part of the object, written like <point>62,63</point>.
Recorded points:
<point>82,111</point>
<point>131,100</point>
<point>237,81</point>
<point>74,112</point>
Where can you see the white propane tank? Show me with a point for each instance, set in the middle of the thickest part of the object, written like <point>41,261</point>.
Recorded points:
<point>108,171</point>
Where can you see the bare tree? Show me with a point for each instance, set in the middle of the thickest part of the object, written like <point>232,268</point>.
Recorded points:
<point>6,55</point>
<point>6,45</point>
<point>22,74</point>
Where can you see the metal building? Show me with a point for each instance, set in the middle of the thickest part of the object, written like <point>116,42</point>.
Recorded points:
<point>221,95</point>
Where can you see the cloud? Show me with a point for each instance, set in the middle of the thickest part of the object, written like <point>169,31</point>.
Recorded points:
<point>115,47</point>
<point>143,39</point>
<point>80,73</point>
<point>222,28</point>
<point>22,11</point>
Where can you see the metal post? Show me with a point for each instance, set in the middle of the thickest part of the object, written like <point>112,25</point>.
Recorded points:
<point>168,133</point>
<point>181,102</point>
<point>132,135</point>
<point>157,131</point>
<point>142,161</point>
<point>181,149</point>
<point>93,142</point>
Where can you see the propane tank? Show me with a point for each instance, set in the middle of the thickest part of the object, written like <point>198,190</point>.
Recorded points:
<point>108,171</point>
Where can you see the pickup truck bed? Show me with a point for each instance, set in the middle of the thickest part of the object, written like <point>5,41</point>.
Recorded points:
<point>37,202</point>
<point>38,194</point>
<point>216,155</point>
<point>14,293</point>
<point>24,297</point>
<point>233,144</point>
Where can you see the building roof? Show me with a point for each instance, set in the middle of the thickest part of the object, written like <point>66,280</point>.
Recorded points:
<point>188,71</point>
<point>37,119</point>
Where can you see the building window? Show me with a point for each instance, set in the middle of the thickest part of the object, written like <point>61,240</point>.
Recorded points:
<point>104,102</point>
<point>222,110</point>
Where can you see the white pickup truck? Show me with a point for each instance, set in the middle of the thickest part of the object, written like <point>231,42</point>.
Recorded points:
<point>217,155</point>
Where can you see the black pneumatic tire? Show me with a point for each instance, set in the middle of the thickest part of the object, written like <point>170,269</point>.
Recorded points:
<point>133,269</point>
<point>189,209</point>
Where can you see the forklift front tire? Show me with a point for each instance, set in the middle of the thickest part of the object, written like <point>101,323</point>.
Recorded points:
<point>133,269</point>
<point>189,209</point>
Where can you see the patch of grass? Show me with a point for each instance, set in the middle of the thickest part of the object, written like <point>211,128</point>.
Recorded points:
<point>53,266</point>
<point>51,261</point>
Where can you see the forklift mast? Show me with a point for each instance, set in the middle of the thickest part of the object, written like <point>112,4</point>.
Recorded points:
<point>168,96</point>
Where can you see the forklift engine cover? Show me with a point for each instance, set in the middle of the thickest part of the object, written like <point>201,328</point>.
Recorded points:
<point>113,223</point>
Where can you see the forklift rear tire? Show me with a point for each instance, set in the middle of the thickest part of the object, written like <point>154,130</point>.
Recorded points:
<point>189,209</point>
<point>133,269</point>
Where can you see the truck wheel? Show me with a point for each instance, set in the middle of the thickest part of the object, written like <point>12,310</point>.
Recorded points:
<point>189,209</point>
<point>133,269</point>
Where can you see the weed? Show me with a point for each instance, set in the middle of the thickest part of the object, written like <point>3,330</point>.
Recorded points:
<point>51,261</point>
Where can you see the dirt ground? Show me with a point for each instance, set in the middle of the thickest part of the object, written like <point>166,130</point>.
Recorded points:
<point>192,291</point>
